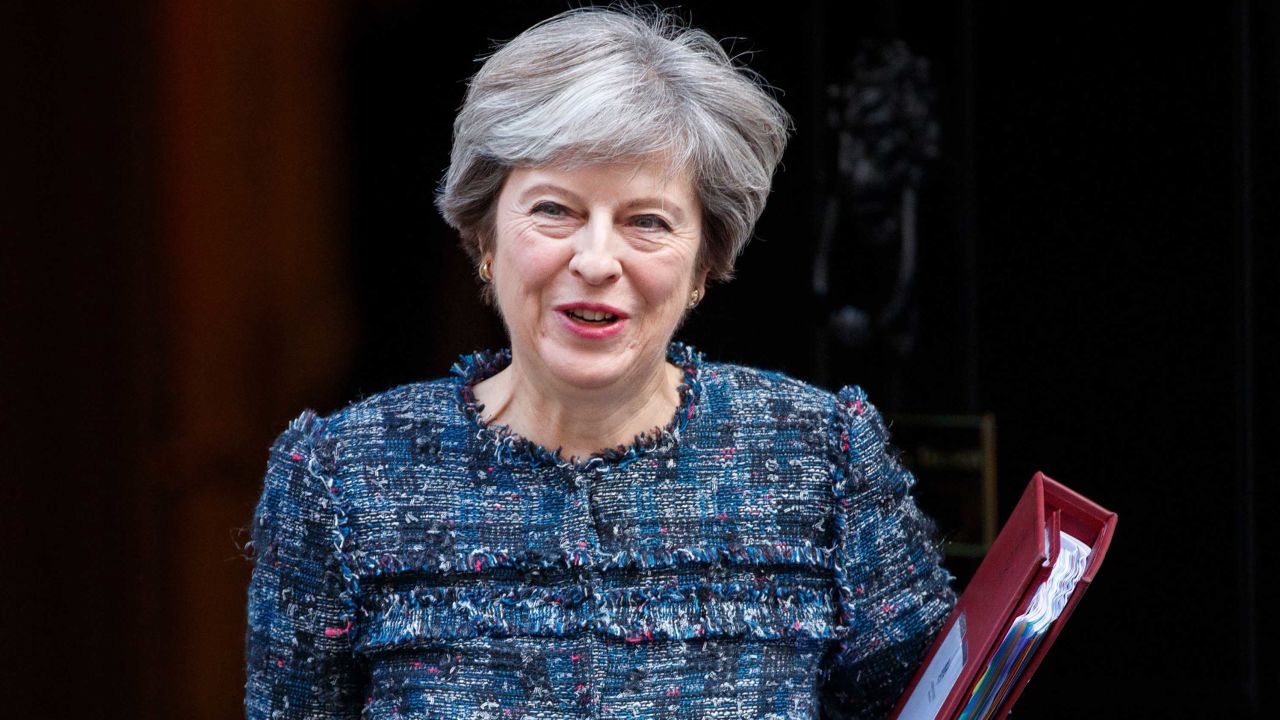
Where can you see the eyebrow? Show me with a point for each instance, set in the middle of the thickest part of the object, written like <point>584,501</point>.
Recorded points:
<point>666,204</point>
<point>546,187</point>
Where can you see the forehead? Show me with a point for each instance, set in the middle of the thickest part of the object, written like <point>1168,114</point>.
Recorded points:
<point>624,179</point>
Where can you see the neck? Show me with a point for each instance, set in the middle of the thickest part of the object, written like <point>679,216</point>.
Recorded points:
<point>580,421</point>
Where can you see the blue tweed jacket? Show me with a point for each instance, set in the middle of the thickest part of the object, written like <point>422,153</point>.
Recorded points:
<point>759,557</point>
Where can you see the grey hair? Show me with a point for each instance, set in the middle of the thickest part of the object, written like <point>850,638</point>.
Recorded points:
<point>607,85</point>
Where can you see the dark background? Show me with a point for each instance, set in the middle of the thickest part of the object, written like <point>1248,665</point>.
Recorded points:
<point>214,214</point>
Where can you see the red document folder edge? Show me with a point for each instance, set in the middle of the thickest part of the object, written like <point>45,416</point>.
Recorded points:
<point>1002,587</point>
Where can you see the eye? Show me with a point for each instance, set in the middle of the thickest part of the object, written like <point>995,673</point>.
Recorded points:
<point>651,222</point>
<point>549,209</point>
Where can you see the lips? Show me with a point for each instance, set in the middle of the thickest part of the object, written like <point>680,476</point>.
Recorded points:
<point>592,312</point>
<point>592,320</point>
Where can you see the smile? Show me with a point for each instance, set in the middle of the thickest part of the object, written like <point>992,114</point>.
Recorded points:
<point>592,316</point>
<point>592,321</point>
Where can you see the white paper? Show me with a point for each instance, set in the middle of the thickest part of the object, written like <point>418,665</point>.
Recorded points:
<point>1028,629</point>
<point>939,677</point>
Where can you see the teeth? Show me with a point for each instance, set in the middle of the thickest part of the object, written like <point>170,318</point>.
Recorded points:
<point>592,315</point>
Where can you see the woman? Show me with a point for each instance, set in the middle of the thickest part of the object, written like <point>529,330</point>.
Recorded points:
<point>743,546</point>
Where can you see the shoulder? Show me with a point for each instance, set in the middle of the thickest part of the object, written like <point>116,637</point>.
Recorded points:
<point>411,417</point>
<point>319,466</point>
<point>770,390</point>
<point>760,392</point>
<point>760,410</point>
<point>412,403</point>
<point>846,419</point>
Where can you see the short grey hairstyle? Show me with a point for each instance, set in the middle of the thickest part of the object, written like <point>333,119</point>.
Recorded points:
<point>610,84</point>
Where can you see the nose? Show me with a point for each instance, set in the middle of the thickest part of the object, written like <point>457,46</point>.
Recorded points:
<point>595,256</point>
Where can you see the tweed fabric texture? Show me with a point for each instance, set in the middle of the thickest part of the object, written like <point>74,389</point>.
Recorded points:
<point>759,557</point>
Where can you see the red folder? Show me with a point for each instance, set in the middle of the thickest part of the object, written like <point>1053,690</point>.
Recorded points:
<point>1018,562</point>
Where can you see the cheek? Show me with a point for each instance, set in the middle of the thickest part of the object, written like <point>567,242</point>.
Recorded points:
<point>525,263</point>
<point>664,285</point>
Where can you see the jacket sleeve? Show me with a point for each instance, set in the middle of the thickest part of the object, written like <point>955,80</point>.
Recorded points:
<point>298,647</point>
<point>893,593</point>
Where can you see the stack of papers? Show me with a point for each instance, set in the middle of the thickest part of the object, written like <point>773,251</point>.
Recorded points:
<point>1014,608</point>
<point>1028,629</point>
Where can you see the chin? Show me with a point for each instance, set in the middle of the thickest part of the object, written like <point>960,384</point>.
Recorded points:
<point>581,370</point>
<point>590,368</point>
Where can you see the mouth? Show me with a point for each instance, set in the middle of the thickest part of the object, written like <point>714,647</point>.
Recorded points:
<point>593,317</point>
<point>592,321</point>
<point>593,313</point>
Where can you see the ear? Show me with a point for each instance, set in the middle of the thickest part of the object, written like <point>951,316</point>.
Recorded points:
<point>697,291</point>
<point>700,282</point>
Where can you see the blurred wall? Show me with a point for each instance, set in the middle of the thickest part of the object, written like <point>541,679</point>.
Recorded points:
<point>254,297</point>
<point>177,291</point>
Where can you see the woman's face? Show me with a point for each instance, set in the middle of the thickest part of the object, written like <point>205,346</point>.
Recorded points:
<point>593,268</point>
